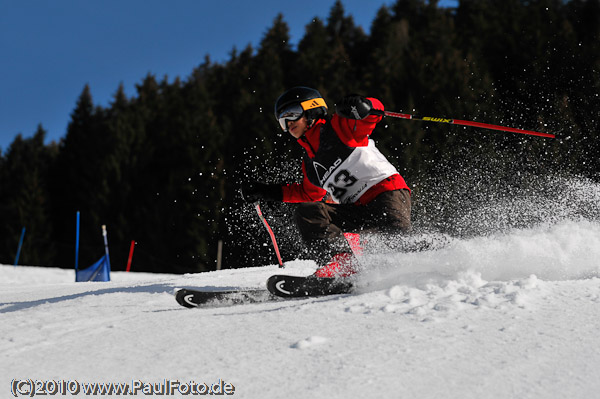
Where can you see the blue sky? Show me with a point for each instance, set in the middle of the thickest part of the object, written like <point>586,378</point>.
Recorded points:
<point>51,49</point>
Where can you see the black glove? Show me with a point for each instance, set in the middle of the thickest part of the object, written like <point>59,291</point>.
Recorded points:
<point>255,191</point>
<point>354,107</point>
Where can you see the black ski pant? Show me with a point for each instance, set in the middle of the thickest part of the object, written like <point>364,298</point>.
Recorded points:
<point>323,225</point>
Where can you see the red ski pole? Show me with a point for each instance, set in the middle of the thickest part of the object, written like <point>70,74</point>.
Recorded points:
<point>463,123</point>
<point>273,240</point>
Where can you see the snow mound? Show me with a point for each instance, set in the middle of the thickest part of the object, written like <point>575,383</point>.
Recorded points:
<point>433,300</point>
<point>309,342</point>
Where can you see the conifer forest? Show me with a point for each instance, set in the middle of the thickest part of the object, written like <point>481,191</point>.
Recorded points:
<point>163,167</point>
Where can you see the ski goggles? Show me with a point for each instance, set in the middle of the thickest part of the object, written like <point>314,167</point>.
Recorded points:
<point>290,113</point>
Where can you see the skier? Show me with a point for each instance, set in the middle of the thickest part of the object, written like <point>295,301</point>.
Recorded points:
<point>339,160</point>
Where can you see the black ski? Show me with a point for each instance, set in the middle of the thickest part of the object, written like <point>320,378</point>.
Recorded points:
<point>278,286</point>
<point>191,298</point>
<point>298,287</point>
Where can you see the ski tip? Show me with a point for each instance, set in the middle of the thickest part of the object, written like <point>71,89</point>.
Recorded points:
<point>309,286</point>
<point>185,298</point>
<point>192,298</point>
<point>277,286</point>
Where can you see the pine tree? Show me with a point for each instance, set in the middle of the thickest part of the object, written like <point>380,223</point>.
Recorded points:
<point>343,67</point>
<point>24,200</point>
<point>79,182</point>
<point>313,48</point>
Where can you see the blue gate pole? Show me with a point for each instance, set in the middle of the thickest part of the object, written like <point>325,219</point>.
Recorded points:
<point>77,242</point>
<point>106,248</point>
<point>19,248</point>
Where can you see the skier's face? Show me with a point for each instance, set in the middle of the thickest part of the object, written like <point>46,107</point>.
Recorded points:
<point>298,127</point>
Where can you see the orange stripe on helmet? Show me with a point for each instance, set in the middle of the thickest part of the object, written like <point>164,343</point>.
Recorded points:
<point>313,103</point>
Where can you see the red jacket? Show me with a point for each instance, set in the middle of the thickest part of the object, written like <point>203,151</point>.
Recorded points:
<point>353,133</point>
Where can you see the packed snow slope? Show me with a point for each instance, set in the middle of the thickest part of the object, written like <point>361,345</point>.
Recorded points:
<point>515,315</point>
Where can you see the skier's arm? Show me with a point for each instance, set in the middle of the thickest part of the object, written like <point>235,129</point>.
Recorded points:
<point>302,192</point>
<point>353,121</point>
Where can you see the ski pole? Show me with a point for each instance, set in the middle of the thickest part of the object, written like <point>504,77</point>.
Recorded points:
<point>273,240</point>
<point>460,122</point>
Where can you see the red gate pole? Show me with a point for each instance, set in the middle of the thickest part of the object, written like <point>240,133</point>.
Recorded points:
<point>130,256</point>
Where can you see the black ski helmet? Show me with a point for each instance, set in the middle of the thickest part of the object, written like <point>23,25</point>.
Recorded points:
<point>306,100</point>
